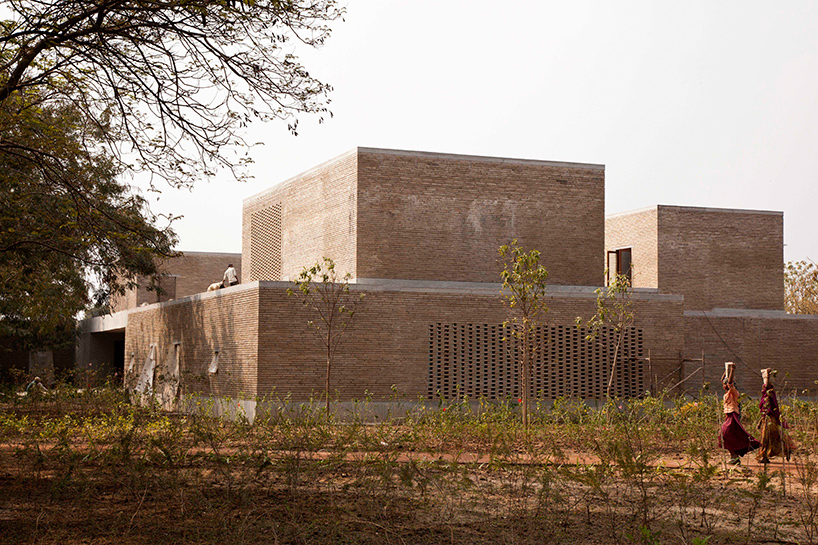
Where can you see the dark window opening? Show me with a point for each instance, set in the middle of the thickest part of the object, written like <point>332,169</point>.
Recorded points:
<point>619,262</point>
<point>119,357</point>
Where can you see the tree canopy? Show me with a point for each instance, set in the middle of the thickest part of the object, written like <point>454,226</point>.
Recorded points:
<point>801,287</point>
<point>92,90</point>
<point>171,82</point>
<point>63,215</point>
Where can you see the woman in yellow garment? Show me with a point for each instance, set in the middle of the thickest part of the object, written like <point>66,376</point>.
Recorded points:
<point>773,440</point>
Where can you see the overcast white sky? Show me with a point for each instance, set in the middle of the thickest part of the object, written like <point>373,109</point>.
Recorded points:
<point>697,103</point>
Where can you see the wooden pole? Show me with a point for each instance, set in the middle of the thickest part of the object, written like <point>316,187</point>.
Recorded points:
<point>783,461</point>
<point>766,376</point>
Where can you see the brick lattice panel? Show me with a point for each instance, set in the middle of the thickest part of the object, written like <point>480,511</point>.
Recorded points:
<point>473,360</point>
<point>265,244</point>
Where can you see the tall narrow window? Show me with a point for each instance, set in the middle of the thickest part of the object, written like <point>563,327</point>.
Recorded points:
<point>619,262</point>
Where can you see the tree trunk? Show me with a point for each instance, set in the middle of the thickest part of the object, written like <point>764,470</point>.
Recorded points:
<point>329,367</point>
<point>613,368</point>
<point>526,372</point>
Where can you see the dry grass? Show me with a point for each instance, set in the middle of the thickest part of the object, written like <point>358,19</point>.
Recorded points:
<point>91,468</point>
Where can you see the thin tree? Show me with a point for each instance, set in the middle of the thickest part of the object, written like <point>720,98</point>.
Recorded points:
<point>523,292</point>
<point>613,310</point>
<point>326,294</point>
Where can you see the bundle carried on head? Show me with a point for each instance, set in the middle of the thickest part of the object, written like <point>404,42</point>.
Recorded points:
<point>767,376</point>
<point>729,372</point>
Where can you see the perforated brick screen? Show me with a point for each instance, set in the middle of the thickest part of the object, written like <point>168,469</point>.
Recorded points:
<point>474,360</point>
<point>265,244</point>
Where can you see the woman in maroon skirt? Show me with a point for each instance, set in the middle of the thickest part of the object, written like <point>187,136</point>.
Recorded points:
<point>733,436</point>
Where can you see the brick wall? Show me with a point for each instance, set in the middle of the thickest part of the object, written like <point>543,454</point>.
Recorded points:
<point>195,271</point>
<point>638,231</point>
<point>143,296</point>
<point>715,258</point>
<point>389,341</point>
<point>425,216</point>
<point>318,219</point>
<point>267,348</point>
<point>225,320</point>
<point>188,274</point>
<point>788,343</point>
<point>721,258</point>
<point>124,301</point>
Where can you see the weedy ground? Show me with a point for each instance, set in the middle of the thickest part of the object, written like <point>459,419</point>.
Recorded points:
<point>90,467</point>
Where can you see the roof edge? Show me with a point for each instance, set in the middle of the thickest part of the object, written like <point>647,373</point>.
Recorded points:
<point>291,179</point>
<point>658,207</point>
<point>480,158</point>
<point>720,210</point>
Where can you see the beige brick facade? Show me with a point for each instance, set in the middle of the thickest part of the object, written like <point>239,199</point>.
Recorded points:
<point>754,340</point>
<point>715,258</point>
<point>420,232</point>
<point>721,258</point>
<point>195,271</point>
<point>187,274</point>
<point>268,349</point>
<point>638,231</point>
<point>225,321</point>
<point>317,219</point>
<point>443,217</point>
<point>425,216</point>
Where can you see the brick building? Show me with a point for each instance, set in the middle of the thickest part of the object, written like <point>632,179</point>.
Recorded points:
<point>102,343</point>
<point>728,266</point>
<point>419,233</point>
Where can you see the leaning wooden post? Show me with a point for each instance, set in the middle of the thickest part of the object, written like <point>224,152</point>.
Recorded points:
<point>765,379</point>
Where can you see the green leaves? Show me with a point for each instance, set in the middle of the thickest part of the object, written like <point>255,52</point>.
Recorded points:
<point>176,82</point>
<point>326,295</point>
<point>523,292</point>
<point>613,307</point>
<point>614,310</point>
<point>524,284</point>
<point>64,219</point>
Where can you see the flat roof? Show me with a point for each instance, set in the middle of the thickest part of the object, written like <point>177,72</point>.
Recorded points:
<point>480,158</point>
<point>749,313</point>
<point>696,209</point>
<point>425,155</point>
